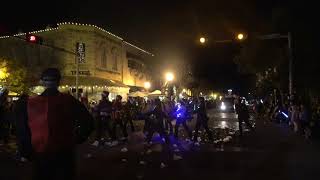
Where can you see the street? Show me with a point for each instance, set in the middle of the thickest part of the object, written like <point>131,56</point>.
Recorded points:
<point>272,151</point>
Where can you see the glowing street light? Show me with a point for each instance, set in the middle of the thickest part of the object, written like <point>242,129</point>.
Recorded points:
<point>169,76</point>
<point>147,85</point>
<point>240,36</point>
<point>203,40</point>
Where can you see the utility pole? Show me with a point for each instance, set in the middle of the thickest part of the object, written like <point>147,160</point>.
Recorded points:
<point>290,64</point>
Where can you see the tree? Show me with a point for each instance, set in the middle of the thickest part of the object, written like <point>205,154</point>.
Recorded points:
<point>14,76</point>
<point>267,60</point>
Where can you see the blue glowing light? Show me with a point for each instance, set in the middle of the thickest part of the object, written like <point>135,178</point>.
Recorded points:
<point>285,115</point>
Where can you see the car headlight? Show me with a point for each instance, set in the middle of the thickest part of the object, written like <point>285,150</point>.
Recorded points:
<point>223,106</point>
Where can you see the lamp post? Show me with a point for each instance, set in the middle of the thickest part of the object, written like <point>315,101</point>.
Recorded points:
<point>147,86</point>
<point>169,78</point>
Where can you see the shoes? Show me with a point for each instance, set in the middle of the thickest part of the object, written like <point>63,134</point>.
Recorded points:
<point>162,165</point>
<point>174,145</point>
<point>95,143</point>
<point>124,150</point>
<point>197,144</point>
<point>123,139</point>
<point>176,157</point>
<point>108,143</point>
<point>114,143</point>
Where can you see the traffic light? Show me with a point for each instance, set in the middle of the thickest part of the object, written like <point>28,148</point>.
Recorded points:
<point>33,39</point>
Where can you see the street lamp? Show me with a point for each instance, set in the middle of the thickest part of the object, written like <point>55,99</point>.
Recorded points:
<point>169,76</point>
<point>240,36</point>
<point>147,85</point>
<point>202,40</point>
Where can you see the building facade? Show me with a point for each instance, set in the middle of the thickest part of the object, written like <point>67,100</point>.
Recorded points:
<point>106,61</point>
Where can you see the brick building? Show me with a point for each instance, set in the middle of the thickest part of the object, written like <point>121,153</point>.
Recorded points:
<point>108,62</point>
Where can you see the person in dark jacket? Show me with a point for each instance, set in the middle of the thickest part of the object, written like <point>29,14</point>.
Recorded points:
<point>103,113</point>
<point>181,113</point>
<point>117,118</point>
<point>5,118</point>
<point>156,117</point>
<point>202,120</point>
<point>243,116</point>
<point>48,128</point>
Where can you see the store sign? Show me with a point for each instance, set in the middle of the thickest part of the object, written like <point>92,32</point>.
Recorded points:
<point>87,73</point>
<point>80,52</point>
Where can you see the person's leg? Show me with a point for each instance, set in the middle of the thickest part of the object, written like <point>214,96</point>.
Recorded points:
<point>146,127</point>
<point>208,131</point>
<point>240,126</point>
<point>198,125</point>
<point>151,130</point>
<point>123,128</point>
<point>132,125</point>
<point>66,166</point>
<point>109,127</point>
<point>186,128</point>
<point>98,129</point>
<point>42,168</point>
<point>114,130</point>
<point>176,129</point>
<point>248,124</point>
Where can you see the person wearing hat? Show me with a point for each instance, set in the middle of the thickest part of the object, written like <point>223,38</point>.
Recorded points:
<point>49,127</point>
<point>103,111</point>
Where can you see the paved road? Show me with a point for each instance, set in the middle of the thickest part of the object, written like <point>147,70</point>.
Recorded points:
<point>271,152</point>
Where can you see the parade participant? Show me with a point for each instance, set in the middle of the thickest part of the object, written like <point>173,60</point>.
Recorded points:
<point>129,112</point>
<point>49,126</point>
<point>117,119</point>
<point>243,116</point>
<point>202,120</point>
<point>156,117</point>
<point>147,107</point>
<point>102,113</point>
<point>168,108</point>
<point>181,118</point>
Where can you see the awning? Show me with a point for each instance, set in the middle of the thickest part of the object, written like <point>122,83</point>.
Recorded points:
<point>136,88</point>
<point>138,94</point>
<point>91,81</point>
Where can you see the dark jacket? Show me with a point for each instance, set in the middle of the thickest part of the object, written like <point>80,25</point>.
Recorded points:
<point>81,120</point>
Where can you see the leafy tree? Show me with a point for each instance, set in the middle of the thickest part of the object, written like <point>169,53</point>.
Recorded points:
<point>16,78</point>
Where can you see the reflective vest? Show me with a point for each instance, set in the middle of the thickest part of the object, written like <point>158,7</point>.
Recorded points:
<point>51,123</point>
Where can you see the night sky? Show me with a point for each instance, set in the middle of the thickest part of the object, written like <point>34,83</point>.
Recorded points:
<point>169,29</point>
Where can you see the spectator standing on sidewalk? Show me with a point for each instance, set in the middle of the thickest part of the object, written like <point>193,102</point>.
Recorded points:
<point>49,127</point>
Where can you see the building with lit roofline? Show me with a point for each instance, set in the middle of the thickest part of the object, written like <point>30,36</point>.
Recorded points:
<point>109,62</point>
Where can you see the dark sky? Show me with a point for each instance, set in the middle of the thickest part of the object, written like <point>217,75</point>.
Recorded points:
<point>169,29</point>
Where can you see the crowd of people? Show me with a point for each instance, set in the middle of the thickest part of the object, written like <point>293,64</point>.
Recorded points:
<point>48,127</point>
<point>158,117</point>
<point>303,118</point>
